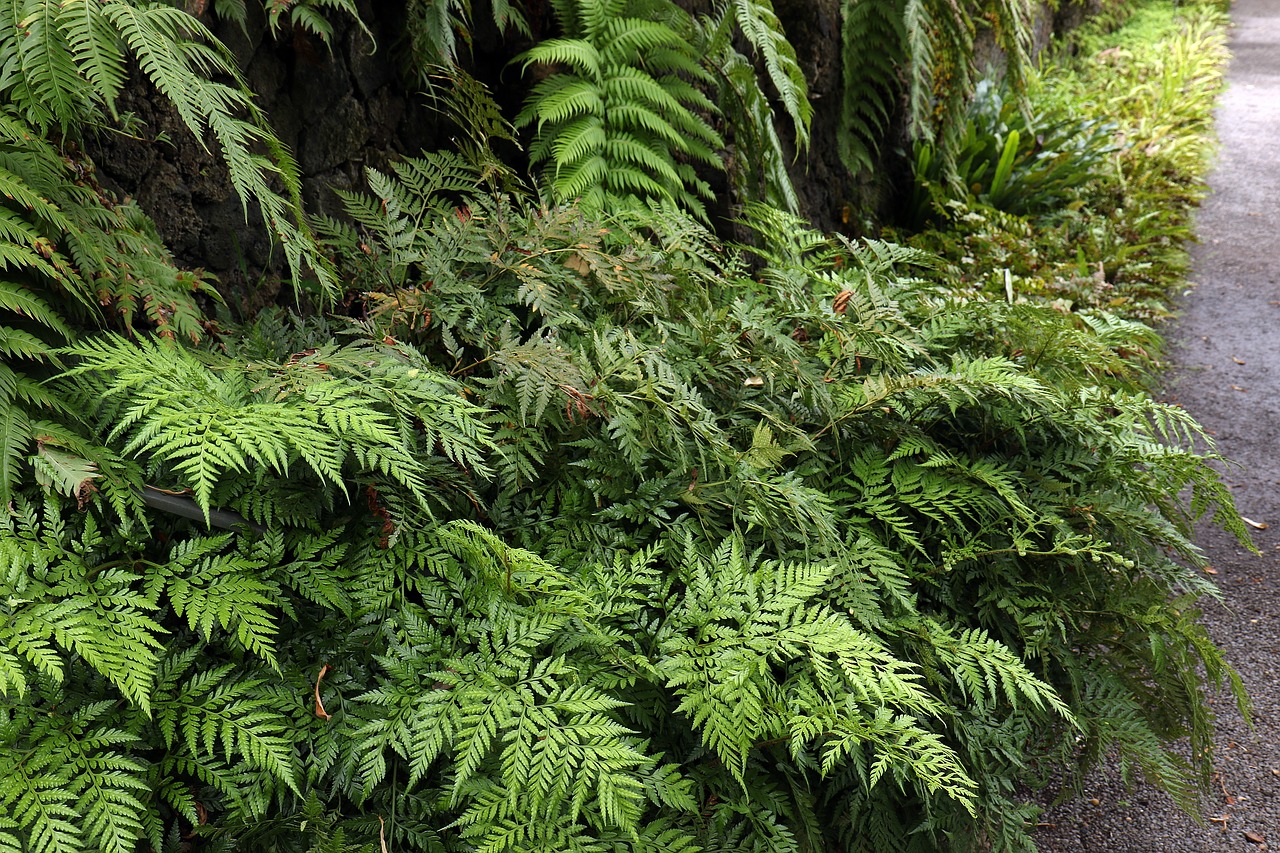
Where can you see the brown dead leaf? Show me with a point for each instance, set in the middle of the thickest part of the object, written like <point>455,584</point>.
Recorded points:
<point>1256,525</point>
<point>1238,388</point>
<point>1238,360</point>
<point>1210,570</point>
<point>1255,838</point>
<point>320,711</point>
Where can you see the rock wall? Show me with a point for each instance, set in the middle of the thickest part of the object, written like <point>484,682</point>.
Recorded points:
<point>339,108</point>
<point>345,106</point>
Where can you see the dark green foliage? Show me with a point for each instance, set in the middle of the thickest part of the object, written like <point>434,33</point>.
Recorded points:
<point>758,162</point>
<point>873,42</point>
<point>586,540</point>
<point>1013,165</point>
<point>302,15</point>
<point>436,27</point>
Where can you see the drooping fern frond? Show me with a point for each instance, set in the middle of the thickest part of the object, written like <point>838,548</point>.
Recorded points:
<point>202,419</point>
<point>760,170</point>
<point>923,50</point>
<point>872,55</point>
<point>307,15</point>
<point>762,29</point>
<point>68,64</point>
<point>72,256</point>
<point>436,28</point>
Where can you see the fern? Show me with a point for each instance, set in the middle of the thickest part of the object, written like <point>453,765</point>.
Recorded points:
<point>619,121</point>
<point>872,40</point>
<point>906,47</point>
<point>203,422</point>
<point>436,26</point>
<point>761,27</point>
<point>68,255</point>
<point>760,170</point>
<point>69,62</point>
<point>597,534</point>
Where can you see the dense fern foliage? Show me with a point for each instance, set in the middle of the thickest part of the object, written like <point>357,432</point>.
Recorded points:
<point>559,523</point>
<point>757,162</point>
<point>585,538</point>
<point>925,51</point>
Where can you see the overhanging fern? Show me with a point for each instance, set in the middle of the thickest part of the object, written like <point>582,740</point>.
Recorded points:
<point>616,116</point>
<point>922,51</point>
<point>70,255</point>
<point>68,62</point>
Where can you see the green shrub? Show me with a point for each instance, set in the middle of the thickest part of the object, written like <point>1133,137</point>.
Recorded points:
<point>585,539</point>
<point>591,532</point>
<point>1013,165</point>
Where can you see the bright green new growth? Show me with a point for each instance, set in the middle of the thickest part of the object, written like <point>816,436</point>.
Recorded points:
<point>68,249</point>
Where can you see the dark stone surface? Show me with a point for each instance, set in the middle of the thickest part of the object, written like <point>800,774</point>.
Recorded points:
<point>338,109</point>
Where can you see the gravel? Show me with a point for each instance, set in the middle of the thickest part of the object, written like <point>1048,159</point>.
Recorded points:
<point>1225,369</point>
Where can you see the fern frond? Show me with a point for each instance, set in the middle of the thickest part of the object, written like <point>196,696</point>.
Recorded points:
<point>618,96</point>
<point>762,28</point>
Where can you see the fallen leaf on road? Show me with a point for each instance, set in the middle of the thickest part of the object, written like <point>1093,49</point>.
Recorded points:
<point>1237,360</point>
<point>1238,388</point>
<point>1257,525</point>
<point>1255,838</point>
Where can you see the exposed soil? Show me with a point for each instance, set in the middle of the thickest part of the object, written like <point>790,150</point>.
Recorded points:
<point>1224,354</point>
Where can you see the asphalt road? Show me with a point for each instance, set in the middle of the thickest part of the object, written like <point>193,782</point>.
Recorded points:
<point>1224,358</point>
